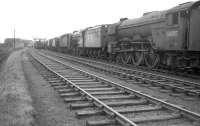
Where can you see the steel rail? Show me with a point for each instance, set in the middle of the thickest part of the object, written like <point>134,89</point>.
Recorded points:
<point>143,78</point>
<point>127,69</point>
<point>155,100</point>
<point>113,113</point>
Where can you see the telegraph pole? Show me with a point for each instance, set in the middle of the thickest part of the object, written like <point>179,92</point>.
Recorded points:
<point>14,38</point>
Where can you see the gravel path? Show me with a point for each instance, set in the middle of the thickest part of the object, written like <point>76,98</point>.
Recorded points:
<point>15,101</point>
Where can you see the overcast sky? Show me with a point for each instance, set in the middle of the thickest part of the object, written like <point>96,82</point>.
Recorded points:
<point>51,18</point>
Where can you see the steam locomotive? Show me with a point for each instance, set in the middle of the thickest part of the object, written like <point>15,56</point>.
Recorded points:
<point>160,38</point>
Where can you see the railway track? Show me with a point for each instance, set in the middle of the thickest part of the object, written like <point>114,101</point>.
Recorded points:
<point>161,69</point>
<point>102,102</point>
<point>174,86</point>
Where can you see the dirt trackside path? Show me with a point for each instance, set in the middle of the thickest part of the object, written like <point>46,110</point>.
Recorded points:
<point>15,101</point>
<point>51,109</point>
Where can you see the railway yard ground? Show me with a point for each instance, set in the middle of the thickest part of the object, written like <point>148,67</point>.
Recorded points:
<point>15,101</point>
<point>27,99</point>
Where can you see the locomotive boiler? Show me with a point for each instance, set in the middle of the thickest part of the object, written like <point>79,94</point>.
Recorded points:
<point>166,38</point>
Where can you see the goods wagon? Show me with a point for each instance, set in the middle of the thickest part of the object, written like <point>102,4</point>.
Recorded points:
<point>81,38</point>
<point>65,40</point>
<point>68,42</point>
<point>50,43</point>
<point>53,43</point>
<point>39,45</point>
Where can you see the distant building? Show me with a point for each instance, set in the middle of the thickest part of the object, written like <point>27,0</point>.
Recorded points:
<point>19,43</point>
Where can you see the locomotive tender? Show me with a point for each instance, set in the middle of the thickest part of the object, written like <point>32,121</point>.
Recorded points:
<point>160,38</point>
<point>93,41</point>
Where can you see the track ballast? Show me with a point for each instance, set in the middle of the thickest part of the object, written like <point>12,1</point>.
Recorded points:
<point>114,104</point>
<point>176,87</point>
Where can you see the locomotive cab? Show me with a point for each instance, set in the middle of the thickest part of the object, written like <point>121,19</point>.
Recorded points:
<point>183,27</point>
<point>177,28</point>
<point>194,37</point>
<point>182,35</point>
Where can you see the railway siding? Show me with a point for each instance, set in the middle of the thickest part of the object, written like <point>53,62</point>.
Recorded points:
<point>65,72</point>
<point>178,87</point>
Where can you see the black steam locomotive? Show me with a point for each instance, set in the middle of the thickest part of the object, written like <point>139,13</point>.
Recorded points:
<point>160,38</point>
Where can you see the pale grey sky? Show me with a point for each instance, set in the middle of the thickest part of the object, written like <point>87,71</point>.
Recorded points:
<point>51,18</point>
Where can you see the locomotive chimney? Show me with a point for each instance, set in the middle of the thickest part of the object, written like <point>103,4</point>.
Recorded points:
<point>123,19</point>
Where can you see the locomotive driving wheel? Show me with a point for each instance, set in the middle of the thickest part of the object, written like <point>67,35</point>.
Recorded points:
<point>129,59</point>
<point>120,59</point>
<point>98,54</point>
<point>138,58</point>
<point>151,59</point>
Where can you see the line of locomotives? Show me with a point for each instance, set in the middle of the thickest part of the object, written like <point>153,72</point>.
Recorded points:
<point>169,39</point>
